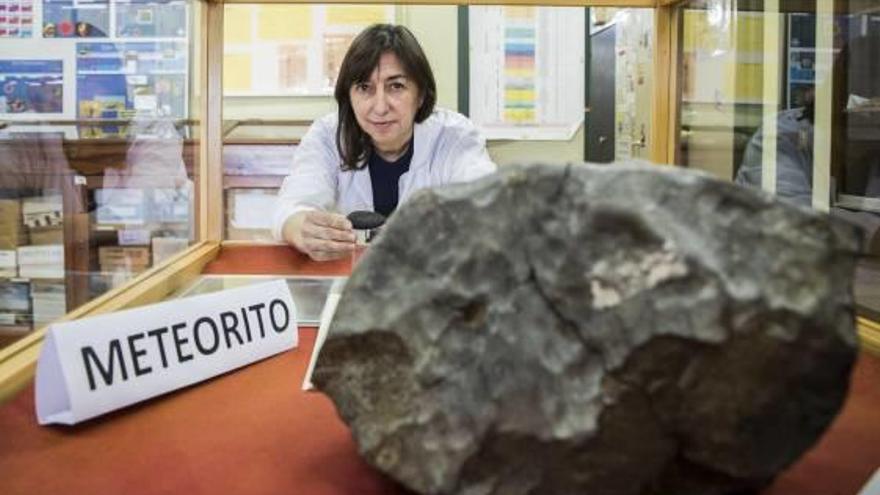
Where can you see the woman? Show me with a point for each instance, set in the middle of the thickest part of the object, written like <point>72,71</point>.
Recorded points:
<point>385,142</point>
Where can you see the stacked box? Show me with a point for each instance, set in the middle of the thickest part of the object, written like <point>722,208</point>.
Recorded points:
<point>170,206</point>
<point>12,229</point>
<point>8,263</point>
<point>120,207</point>
<point>41,261</point>
<point>125,259</point>
<point>40,236</point>
<point>166,247</point>
<point>43,217</point>
<point>15,305</point>
<point>249,214</point>
<point>49,302</point>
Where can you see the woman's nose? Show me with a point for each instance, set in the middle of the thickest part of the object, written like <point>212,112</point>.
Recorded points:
<point>380,102</point>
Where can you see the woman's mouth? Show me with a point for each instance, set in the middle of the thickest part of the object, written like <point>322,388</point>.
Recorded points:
<point>382,125</point>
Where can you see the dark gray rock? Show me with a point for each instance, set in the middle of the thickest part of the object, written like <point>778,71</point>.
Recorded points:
<point>602,330</point>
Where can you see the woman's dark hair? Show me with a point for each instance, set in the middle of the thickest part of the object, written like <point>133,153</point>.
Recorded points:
<point>362,58</point>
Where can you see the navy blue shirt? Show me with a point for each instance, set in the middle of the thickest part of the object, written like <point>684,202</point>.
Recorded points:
<point>385,177</point>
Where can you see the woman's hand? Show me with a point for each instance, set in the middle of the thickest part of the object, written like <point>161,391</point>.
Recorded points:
<point>321,235</point>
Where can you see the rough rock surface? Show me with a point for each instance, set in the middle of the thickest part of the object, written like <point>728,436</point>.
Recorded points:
<point>598,330</point>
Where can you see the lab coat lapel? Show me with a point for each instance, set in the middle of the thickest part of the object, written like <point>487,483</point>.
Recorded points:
<point>363,189</point>
<point>420,160</point>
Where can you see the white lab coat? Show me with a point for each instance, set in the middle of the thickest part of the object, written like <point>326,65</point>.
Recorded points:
<point>448,148</point>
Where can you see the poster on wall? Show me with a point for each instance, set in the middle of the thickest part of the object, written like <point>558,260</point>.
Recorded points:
<point>290,49</point>
<point>123,80</point>
<point>526,74</point>
<point>16,18</point>
<point>31,87</point>
<point>76,18</point>
<point>151,18</point>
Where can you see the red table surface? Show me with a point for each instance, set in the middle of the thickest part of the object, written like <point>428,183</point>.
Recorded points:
<point>254,431</point>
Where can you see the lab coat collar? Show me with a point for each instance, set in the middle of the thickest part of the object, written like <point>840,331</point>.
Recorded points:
<point>362,185</point>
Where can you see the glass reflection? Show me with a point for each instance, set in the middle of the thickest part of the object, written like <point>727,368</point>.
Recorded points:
<point>789,101</point>
<point>96,151</point>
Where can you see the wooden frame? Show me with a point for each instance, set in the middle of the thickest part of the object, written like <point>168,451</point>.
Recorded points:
<point>209,221</point>
<point>666,99</point>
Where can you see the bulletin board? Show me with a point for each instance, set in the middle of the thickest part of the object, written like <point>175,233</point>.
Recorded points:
<point>82,59</point>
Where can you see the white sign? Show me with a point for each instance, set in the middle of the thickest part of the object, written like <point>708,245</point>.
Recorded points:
<point>95,365</point>
<point>323,328</point>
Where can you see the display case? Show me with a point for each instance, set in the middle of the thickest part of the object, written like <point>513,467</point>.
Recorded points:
<point>133,164</point>
<point>705,84</point>
<point>782,96</point>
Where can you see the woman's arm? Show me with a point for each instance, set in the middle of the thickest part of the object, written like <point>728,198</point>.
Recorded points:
<point>308,194</point>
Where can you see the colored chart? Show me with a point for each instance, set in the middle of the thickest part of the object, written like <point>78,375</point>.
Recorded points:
<point>519,65</point>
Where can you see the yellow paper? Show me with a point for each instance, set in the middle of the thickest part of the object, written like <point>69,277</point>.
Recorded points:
<point>750,33</point>
<point>237,72</point>
<point>749,82</point>
<point>237,24</point>
<point>519,95</point>
<point>284,22</point>
<point>357,15</point>
<point>519,115</point>
<point>519,12</point>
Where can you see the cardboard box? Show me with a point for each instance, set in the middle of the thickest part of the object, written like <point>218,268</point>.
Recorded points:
<point>16,330</point>
<point>42,211</point>
<point>40,236</point>
<point>166,247</point>
<point>10,212</point>
<point>12,230</point>
<point>249,214</point>
<point>124,256</point>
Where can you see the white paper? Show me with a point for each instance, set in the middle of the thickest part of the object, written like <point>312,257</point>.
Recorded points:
<point>133,237</point>
<point>49,254</point>
<point>527,76</point>
<point>250,211</point>
<point>146,102</point>
<point>95,365</point>
<point>326,317</point>
<point>8,258</point>
<point>873,485</point>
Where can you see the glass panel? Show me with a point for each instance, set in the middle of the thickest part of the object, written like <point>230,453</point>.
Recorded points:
<point>518,72</point>
<point>785,96</point>
<point>620,100</point>
<point>97,126</point>
<point>310,293</point>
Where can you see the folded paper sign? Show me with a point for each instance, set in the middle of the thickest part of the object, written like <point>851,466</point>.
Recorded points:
<point>95,365</point>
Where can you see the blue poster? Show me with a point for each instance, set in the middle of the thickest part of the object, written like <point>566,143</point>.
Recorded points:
<point>31,86</point>
<point>151,18</point>
<point>76,18</point>
<point>119,80</point>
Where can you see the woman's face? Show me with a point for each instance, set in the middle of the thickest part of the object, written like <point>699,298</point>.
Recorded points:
<point>385,106</point>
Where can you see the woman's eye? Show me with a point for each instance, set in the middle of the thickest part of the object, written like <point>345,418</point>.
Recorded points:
<point>397,86</point>
<point>362,87</point>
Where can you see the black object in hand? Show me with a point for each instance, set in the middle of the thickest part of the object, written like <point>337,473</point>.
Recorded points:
<point>366,220</point>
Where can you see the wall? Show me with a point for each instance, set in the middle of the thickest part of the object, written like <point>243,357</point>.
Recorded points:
<point>436,27</point>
